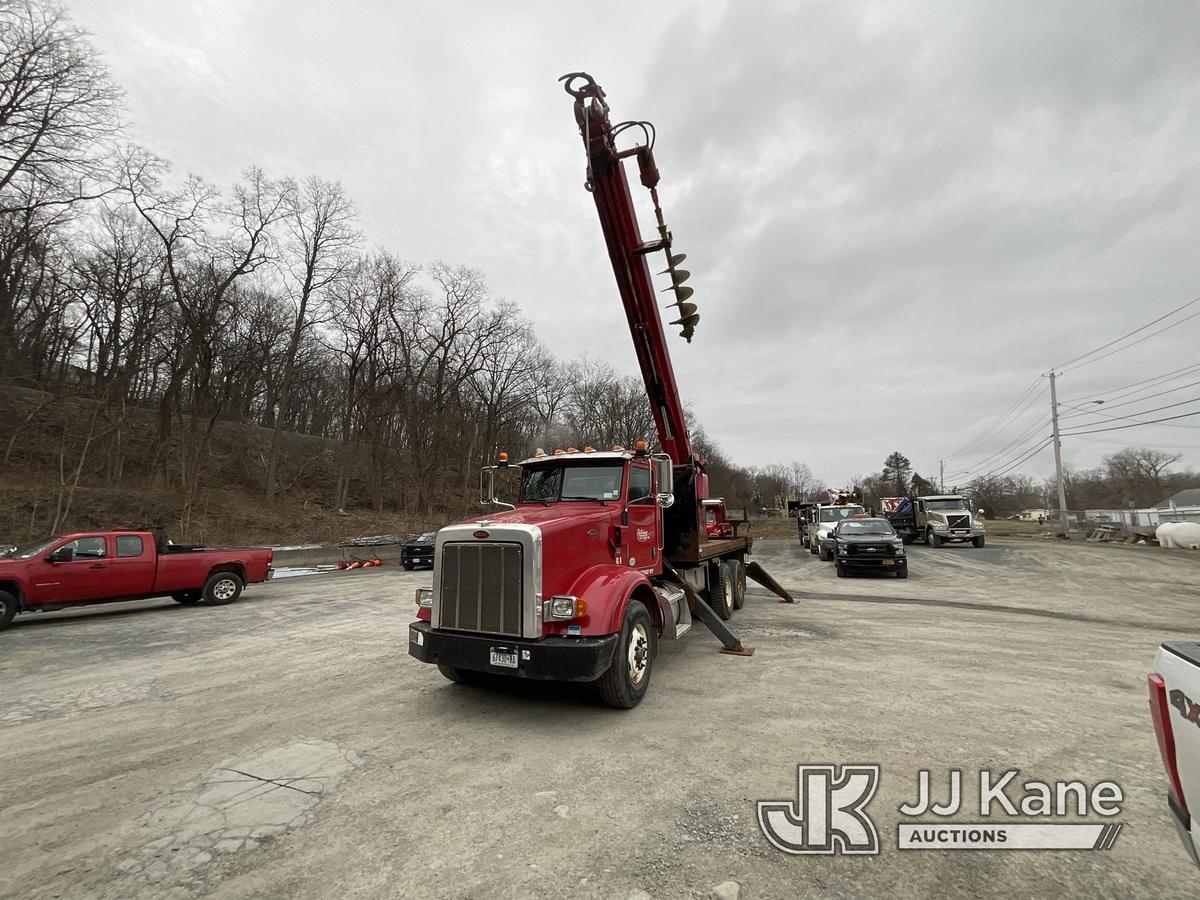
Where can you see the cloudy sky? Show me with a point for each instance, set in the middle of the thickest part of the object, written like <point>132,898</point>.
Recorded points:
<point>897,215</point>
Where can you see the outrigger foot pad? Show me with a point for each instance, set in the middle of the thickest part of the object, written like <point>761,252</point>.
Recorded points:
<point>759,574</point>
<point>739,649</point>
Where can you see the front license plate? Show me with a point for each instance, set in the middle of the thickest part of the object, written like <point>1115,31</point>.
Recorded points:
<point>889,562</point>
<point>505,658</point>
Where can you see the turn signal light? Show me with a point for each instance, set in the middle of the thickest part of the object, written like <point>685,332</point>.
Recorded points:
<point>561,609</point>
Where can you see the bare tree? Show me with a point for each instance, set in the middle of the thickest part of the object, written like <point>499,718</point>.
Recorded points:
<point>320,220</point>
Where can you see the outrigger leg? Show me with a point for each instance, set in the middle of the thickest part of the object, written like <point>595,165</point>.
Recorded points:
<point>711,620</point>
<point>759,574</point>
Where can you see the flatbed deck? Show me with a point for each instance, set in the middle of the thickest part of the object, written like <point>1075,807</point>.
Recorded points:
<point>711,549</point>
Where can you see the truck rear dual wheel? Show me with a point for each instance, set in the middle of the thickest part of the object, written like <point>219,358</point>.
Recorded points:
<point>625,683</point>
<point>8,609</point>
<point>720,590</point>
<point>737,577</point>
<point>222,588</point>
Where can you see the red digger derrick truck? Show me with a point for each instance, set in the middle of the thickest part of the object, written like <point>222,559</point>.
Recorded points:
<point>606,552</point>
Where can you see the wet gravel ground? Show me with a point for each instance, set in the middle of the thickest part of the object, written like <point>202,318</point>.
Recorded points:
<point>287,745</point>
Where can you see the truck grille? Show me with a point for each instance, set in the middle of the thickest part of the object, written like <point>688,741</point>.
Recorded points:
<point>481,587</point>
<point>955,522</point>
<point>874,551</point>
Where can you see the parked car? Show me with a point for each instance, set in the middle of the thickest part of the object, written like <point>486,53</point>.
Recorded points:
<point>418,551</point>
<point>1175,711</point>
<point>868,545</point>
<point>104,567</point>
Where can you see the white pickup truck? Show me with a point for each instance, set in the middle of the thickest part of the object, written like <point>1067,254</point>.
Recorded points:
<point>1175,709</point>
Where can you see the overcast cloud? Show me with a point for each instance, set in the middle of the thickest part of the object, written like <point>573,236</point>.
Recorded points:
<point>896,214</point>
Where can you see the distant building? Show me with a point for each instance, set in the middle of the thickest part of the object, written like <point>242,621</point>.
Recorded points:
<point>1190,497</point>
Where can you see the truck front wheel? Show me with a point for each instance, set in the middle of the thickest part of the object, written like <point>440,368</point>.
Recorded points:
<point>625,683</point>
<point>222,588</point>
<point>977,541</point>
<point>8,609</point>
<point>932,539</point>
<point>460,676</point>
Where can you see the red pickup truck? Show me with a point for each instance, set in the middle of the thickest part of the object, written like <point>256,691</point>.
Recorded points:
<point>102,567</point>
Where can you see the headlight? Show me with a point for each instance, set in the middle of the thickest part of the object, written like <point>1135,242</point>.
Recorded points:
<point>898,549</point>
<point>843,551</point>
<point>424,597</point>
<point>567,607</point>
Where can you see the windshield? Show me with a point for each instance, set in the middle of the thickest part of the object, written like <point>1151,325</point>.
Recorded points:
<point>546,484</point>
<point>941,505</point>
<point>29,551</point>
<point>865,526</point>
<point>837,513</point>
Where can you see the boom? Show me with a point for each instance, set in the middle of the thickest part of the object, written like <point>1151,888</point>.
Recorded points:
<point>628,252</point>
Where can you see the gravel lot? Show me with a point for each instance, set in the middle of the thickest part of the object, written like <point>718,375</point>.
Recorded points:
<point>288,746</point>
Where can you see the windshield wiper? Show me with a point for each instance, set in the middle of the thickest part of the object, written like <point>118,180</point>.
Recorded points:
<point>597,499</point>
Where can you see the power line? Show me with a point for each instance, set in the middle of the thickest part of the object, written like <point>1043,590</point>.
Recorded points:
<point>1126,444</point>
<point>1140,412</point>
<point>1008,467</point>
<point>1138,341</point>
<point>1108,406</point>
<point>1115,393</point>
<point>999,420</point>
<point>1135,424</point>
<point>1023,436</point>
<point>1063,366</point>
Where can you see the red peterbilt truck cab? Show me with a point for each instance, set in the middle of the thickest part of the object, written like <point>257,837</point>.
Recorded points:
<point>577,582</point>
<point>105,567</point>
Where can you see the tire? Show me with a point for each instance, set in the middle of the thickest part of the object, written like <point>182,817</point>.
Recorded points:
<point>222,588</point>
<point>187,598</point>
<point>8,609</point>
<point>804,540</point>
<point>902,572</point>
<point>977,541</point>
<point>824,555</point>
<point>460,676</point>
<point>840,569</point>
<point>737,575</point>
<point>408,567</point>
<point>720,591</point>
<point>933,540</point>
<point>628,678</point>
<point>812,546</point>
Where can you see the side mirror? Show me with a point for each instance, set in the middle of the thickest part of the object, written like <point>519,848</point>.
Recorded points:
<point>62,555</point>
<point>664,480</point>
<point>487,488</point>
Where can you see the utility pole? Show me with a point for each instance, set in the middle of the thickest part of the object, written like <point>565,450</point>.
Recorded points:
<point>1062,488</point>
<point>941,476</point>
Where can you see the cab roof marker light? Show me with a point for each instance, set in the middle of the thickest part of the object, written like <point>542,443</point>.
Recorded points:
<point>539,453</point>
<point>558,451</point>
<point>588,448</point>
<point>617,448</point>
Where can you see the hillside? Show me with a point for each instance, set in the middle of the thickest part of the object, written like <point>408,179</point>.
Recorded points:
<point>121,481</point>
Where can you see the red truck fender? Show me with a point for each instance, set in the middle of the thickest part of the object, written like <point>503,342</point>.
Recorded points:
<point>608,590</point>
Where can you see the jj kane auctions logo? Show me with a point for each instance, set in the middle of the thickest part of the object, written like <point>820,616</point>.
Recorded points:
<point>829,814</point>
